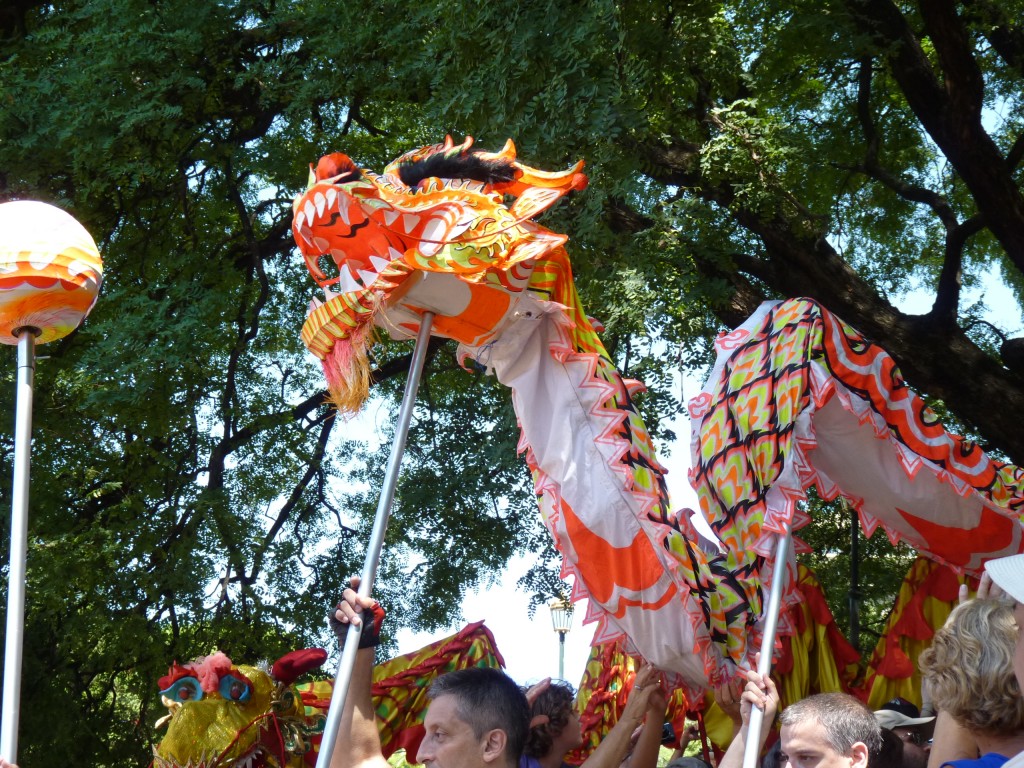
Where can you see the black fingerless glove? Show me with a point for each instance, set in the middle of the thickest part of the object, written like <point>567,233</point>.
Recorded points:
<point>369,636</point>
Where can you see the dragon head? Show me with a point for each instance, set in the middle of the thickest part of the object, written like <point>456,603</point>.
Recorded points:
<point>227,716</point>
<point>433,233</point>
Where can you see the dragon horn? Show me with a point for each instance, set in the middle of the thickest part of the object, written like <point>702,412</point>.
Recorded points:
<point>508,152</point>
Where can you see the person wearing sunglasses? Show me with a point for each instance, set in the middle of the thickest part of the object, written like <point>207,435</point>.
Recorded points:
<point>904,719</point>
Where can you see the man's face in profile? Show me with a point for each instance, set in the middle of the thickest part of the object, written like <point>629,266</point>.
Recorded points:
<point>449,741</point>
<point>805,745</point>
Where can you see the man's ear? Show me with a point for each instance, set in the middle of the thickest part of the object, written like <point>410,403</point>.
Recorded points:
<point>494,745</point>
<point>859,755</point>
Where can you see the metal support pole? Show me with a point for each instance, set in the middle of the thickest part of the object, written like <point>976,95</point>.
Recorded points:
<point>561,655</point>
<point>764,666</point>
<point>854,578</point>
<point>19,546</point>
<point>343,678</point>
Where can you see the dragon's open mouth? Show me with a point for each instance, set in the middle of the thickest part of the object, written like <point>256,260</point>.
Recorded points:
<point>330,221</point>
<point>431,233</point>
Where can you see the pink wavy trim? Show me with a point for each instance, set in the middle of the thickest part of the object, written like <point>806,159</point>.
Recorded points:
<point>607,421</point>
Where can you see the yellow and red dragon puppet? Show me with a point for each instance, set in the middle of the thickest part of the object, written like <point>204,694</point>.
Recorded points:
<point>797,398</point>
<point>433,233</point>
<point>225,716</point>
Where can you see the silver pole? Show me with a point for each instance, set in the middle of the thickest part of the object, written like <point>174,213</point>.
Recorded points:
<point>343,678</point>
<point>19,546</point>
<point>764,666</point>
<point>561,655</point>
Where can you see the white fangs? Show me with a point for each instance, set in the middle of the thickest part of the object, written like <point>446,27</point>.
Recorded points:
<point>379,262</point>
<point>321,203</point>
<point>347,283</point>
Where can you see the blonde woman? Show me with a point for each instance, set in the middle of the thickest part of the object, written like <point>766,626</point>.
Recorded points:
<point>969,672</point>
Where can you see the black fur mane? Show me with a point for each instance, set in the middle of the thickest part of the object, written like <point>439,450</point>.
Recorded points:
<point>467,166</point>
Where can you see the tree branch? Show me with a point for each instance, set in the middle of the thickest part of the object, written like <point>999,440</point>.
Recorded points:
<point>965,86</point>
<point>1006,39</point>
<point>946,306</point>
<point>312,468</point>
<point>801,264</point>
<point>951,118</point>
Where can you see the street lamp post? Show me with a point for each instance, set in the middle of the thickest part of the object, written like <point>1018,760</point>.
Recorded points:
<point>50,275</point>
<point>561,622</point>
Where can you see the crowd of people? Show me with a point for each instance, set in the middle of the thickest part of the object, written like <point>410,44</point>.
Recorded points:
<point>973,673</point>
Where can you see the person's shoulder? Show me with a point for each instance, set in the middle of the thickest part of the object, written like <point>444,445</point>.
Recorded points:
<point>988,760</point>
<point>1017,761</point>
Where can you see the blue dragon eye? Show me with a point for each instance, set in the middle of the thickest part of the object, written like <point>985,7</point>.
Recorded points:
<point>235,688</point>
<point>184,689</point>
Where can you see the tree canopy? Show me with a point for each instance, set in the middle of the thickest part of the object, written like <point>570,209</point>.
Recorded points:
<point>191,490</point>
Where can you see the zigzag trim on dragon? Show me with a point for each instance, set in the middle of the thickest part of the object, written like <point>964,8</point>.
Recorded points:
<point>432,233</point>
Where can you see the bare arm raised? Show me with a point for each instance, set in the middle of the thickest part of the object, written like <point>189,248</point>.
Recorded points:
<point>648,744</point>
<point>358,744</point>
<point>759,692</point>
<point>613,747</point>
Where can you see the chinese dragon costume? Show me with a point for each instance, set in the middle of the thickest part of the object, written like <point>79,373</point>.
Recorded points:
<point>225,716</point>
<point>433,233</point>
<point>797,398</point>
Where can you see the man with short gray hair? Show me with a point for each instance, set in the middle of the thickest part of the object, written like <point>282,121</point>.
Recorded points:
<point>829,730</point>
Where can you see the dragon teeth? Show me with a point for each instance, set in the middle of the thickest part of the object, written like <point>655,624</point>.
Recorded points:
<point>310,210</point>
<point>332,198</point>
<point>306,234</point>
<point>379,263</point>
<point>321,203</point>
<point>346,282</point>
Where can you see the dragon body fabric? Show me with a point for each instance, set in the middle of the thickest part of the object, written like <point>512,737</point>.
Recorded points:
<point>799,399</point>
<point>227,716</point>
<point>815,658</point>
<point>433,233</point>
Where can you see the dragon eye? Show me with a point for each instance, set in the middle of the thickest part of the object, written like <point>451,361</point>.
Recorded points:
<point>184,689</point>
<point>235,688</point>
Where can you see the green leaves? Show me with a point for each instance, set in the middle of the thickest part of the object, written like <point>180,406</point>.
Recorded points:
<point>190,490</point>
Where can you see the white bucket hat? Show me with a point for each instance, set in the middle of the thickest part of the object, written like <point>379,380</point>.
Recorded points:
<point>1008,575</point>
<point>890,718</point>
